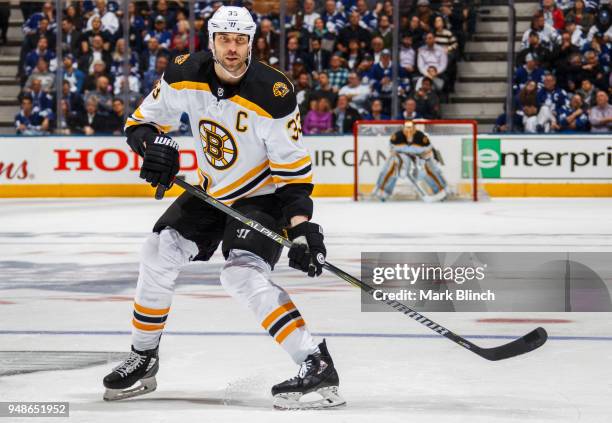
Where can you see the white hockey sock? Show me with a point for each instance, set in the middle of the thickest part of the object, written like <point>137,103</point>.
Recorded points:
<point>246,277</point>
<point>161,257</point>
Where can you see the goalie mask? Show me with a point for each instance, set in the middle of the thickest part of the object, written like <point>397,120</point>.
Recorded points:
<point>231,19</point>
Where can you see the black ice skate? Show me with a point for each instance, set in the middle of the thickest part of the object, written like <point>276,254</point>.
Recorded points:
<point>139,368</point>
<point>317,374</point>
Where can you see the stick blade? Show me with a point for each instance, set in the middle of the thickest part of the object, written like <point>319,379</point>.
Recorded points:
<point>529,342</point>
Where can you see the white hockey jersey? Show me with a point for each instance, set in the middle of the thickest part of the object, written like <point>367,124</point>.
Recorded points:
<point>248,136</point>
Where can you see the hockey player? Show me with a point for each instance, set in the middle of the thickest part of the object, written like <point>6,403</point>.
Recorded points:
<point>247,133</point>
<point>412,157</point>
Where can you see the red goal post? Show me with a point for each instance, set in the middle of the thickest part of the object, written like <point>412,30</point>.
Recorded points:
<point>465,128</point>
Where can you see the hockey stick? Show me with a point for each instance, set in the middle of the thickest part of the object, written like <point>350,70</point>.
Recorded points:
<point>522,345</point>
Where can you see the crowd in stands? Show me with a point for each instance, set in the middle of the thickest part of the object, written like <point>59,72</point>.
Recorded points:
<point>338,55</point>
<point>563,82</point>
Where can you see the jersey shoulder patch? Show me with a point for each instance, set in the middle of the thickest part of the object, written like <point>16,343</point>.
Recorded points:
<point>189,67</point>
<point>270,89</point>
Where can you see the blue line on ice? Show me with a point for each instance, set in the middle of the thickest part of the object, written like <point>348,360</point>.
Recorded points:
<point>330,334</point>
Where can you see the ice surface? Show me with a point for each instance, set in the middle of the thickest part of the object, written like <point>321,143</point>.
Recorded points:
<point>67,276</point>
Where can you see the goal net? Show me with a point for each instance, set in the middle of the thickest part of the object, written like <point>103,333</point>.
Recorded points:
<point>455,140</point>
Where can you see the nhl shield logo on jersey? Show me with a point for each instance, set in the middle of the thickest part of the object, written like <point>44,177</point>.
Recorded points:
<point>218,144</point>
<point>280,89</point>
<point>179,60</point>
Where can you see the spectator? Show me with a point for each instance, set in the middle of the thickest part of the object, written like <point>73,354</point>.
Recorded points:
<point>318,59</point>
<point>535,120</point>
<point>32,22</point>
<point>602,24</point>
<point>32,42</point>
<point>266,31</point>
<point>96,30</point>
<point>345,116</point>
<point>328,39</point>
<point>537,51</point>
<point>179,47</point>
<point>376,111</point>
<point>445,39</point>
<point>579,15</point>
<point>134,96</point>
<point>333,19</point>
<point>573,117</point>
<point>425,14</point>
<point>564,51</point>
<point>367,16</point>
<point>570,73</point>
<point>550,95</point>
<point>576,33</point>
<point>407,54</point>
<point>364,68</point>
<point>501,123</point>
<point>74,99</point>
<point>427,101</point>
<point>148,58</point>
<point>530,71</point>
<point>292,52</point>
<point>319,118</point>
<point>29,121</point>
<point>42,101</point>
<point>298,68</point>
<point>591,69</point>
<point>99,71</point>
<point>356,93</point>
<point>310,15</point>
<point>92,121</point>
<point>354,54</point>
<point>432,60</point>
<point>116,68</point>
<point>154,74</point>
<point>74,15</point>
<point>163,36</point>
<point>324,90</point>
<point>299,31</point>
<point>548,35</point>
<point>32,57</point>
<point>302,90</point>
<point>553,16</point>
<point>410,110</point>
<point>338,75</point>
<point>70,37</point>
<point>93,55</point>
<point>384,31</point>
<point>41,73</point>
<point>108,19</point>
<point>162,10</point>
<point>588,93</point>
<point>261,50</point>
<point>353,30</point>
<point>377,46</point>
<point>116,118</point>
<point>101,95</point>
<point>600,116</point>
<point>415,30</point>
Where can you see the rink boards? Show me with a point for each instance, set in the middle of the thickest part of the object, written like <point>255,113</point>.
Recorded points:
<point>510,166</point>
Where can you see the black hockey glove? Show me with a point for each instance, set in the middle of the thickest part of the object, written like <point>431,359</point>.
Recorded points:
<point>308,250</point>
<point>161,161</point>
<point>138,136</point>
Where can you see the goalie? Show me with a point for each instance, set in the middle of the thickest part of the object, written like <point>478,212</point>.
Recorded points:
<point>412,157</point>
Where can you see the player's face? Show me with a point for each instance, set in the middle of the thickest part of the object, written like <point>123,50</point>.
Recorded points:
<point>232,50</point>
<point>409,130</point>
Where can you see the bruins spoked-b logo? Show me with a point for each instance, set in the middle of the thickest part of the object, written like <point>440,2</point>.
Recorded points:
<point>218,144</point>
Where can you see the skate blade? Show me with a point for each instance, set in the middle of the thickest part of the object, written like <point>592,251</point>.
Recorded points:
<point>291,400</point>
<point>146,386</point>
